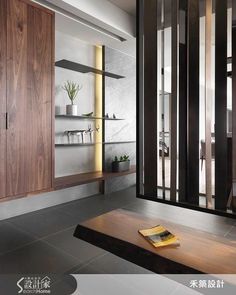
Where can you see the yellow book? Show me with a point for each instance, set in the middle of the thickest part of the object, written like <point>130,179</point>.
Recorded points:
<point>159,236</point>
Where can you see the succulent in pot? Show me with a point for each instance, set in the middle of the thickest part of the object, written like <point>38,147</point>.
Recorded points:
<point>72,90</point>
<point>121,164</point>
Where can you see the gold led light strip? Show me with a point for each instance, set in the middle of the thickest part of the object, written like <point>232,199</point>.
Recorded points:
<point>98,108</point>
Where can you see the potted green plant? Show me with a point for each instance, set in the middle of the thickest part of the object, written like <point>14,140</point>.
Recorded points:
<point>122,164</point>
<point>72,90</point>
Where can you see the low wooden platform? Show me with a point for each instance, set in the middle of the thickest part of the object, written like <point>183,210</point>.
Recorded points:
<point>199,252</point>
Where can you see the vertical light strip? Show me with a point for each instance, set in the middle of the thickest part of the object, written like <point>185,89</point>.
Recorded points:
<point>208,102</point>
<point>98,108</point>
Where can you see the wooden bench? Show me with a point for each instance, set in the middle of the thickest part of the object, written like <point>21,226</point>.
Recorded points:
<point>199,252</point>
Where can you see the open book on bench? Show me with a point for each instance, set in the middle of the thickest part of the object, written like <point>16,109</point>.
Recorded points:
<point>159,236</point>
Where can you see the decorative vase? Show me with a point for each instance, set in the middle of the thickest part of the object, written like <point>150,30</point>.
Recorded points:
<point>118,166</point>
<point>72,110</point>
<point>57,110</point>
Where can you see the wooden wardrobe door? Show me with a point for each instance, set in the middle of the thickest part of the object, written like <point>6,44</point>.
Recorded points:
<point>39,100</point>
<point>3,50</point>
<point>29,98</point>
<point>17,159</point>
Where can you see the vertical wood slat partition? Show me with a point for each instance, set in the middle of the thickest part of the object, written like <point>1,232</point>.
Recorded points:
<point>139,90</point>
<point>221,169</point>
<point>163,165</point>
<point>234,98</point>
<point>193,103</point>
<point>189,102</point>
<point>174,97</point>
<point>182,100</point>
<point>150,97</point>
<point>3,53</point>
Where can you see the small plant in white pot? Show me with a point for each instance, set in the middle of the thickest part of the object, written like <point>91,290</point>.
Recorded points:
<point>122,164</point>
<point>72,90</point>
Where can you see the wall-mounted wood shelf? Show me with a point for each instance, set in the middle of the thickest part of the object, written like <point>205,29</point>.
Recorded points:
<point>77,67</point>
<point>90,144</point>
<point>84,178</point>
<point>87,118</point>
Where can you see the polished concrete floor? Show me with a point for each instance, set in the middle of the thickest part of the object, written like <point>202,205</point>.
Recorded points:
<point>43,242</point>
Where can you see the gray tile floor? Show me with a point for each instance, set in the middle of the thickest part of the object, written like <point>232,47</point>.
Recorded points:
<point>43,242</point>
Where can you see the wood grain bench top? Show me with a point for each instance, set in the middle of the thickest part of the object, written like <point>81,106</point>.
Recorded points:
<point>199,251</point>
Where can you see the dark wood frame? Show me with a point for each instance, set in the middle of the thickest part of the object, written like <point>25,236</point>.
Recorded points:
<point>183,101</point>
<point>193,153</point>
<point>221,165</point>
<point>150,93</point>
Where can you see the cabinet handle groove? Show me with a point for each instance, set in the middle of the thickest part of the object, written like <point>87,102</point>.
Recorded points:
<point>7,121</point>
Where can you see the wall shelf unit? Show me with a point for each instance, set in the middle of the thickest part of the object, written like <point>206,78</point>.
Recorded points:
<point>77,67</point>
<point>87,118</point>
<point>84,178</point>
<point>102,149</point>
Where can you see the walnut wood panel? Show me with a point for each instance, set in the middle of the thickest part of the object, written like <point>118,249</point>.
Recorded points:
<point>16,93</point>
<point>36,5</point>
<point>39,101</point>
<point>29,98</point>
<point>3,42</point>
<point>107,231</point>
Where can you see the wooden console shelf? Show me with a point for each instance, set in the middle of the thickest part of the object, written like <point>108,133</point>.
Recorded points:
<point>199,252</point>
<point>83,178</point>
